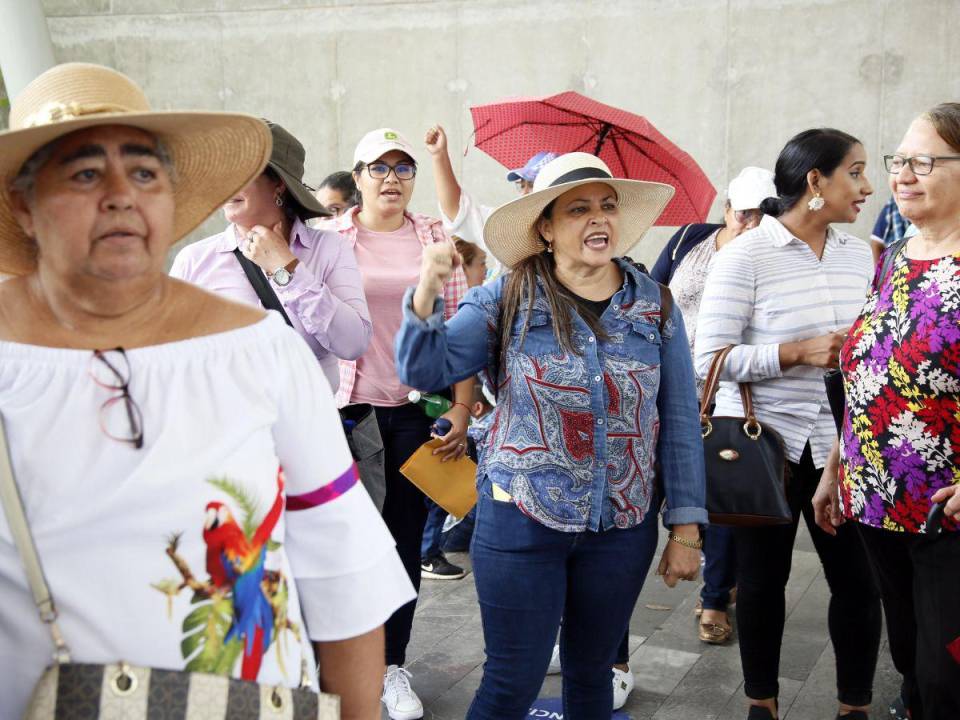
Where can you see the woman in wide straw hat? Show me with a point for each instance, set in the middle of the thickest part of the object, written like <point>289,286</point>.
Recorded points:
<point>148,420</point>
<point>595,386</point>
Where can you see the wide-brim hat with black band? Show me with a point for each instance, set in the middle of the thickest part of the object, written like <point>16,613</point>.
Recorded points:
<point>286,159</point>
<point>511,233</point>
<point>215,154</point>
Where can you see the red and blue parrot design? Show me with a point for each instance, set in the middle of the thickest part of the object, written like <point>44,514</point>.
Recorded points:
<point>235,564</point>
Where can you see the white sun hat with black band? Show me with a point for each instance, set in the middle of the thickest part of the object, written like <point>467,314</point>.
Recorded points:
<point>511,234</point>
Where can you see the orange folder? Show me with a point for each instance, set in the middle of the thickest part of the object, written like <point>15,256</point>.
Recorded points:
<point>451,485</point>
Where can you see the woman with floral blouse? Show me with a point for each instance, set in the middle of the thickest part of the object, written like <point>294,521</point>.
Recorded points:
<point>901,437</point>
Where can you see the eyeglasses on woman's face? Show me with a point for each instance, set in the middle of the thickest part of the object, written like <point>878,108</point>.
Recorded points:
<point>919,164</point>
<point>381,170</point>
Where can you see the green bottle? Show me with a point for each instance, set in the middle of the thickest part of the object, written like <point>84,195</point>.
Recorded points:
<point>433,405</point>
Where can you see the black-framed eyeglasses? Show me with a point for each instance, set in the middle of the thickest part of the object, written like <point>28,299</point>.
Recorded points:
<point>403,171</point>
<point>919,164</point>
<point>110,369</point>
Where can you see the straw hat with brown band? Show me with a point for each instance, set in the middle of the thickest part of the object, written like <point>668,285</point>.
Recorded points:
<point>511,232</point>
<point>215,154</point>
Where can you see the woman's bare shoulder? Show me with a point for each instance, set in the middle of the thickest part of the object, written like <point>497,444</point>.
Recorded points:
<point>206,313</point>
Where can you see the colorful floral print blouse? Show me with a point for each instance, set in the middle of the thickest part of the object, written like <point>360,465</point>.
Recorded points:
<point>901,367</point>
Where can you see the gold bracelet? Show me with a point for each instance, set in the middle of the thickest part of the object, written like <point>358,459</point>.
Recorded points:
<point>692,544</point>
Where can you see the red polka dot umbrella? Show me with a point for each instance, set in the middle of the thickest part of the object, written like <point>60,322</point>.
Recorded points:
<point>514,130</point>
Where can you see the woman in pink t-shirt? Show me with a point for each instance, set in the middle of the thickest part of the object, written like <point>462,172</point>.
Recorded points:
<point>388,242</point>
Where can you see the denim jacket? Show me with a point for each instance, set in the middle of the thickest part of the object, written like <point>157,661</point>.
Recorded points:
<point>574,438</point>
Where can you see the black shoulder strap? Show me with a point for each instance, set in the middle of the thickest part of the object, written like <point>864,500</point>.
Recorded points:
<point>666,297</point>
<point>888,258</point>
<point>261,285</point>
<point>666,305</point>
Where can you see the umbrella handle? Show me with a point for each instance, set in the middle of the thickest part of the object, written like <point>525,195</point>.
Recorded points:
<point>602,137</point>
<point>473,135</point>
<point>470,139</point>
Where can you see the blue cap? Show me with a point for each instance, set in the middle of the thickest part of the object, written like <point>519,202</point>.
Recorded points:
<point>530,171</point>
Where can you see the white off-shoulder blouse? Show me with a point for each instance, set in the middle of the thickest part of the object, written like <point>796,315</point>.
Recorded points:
<point>233,537</point>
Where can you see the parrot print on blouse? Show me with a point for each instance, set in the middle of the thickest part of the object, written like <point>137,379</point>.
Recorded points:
<point>241,609</point>
<point>235,563</point>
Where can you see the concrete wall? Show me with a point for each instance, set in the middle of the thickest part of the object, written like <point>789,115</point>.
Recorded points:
<point>728,80</point>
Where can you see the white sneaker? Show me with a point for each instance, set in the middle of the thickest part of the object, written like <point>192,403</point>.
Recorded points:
<point>398,697</point>
<point>554,667</point>
<point>622,687</point>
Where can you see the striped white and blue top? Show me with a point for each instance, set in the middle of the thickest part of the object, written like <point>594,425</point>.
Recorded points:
<point>768,287</point>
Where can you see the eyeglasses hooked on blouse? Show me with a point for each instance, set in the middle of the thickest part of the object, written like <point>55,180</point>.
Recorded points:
<point>110,369</point>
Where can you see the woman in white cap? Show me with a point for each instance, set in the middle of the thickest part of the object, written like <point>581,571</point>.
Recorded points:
<point>389,242</point>
<point>683,266</point>
<point>595,385</point>
<point>164,440</point>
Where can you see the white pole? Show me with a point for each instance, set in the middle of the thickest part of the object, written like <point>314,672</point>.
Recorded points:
<point>25,46</point>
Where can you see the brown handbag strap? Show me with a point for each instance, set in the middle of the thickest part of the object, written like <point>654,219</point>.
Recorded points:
<point>746,397</point>
<point>712,383</point>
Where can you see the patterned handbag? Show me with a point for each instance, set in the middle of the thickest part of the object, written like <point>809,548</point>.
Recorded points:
<point>78,691</point>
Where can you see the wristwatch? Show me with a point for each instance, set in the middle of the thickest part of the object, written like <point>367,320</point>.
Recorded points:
<point>281,276</point>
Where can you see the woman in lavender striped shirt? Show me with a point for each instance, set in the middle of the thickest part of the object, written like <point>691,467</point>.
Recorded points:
<point>785,294</point>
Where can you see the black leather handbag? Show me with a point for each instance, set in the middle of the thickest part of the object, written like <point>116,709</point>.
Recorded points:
<point>833,382</point>
<point>745,461</point>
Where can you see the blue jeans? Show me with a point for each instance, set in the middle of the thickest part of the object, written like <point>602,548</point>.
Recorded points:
<point>432,529</point>
<point>528,577</point>
<point>719,568</point>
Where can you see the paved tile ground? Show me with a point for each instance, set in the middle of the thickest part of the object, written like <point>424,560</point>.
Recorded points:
<point>678,677</point>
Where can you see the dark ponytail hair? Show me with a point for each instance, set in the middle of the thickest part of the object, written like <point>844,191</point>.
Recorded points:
<point>820,149</point>
<point>342,182</point>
